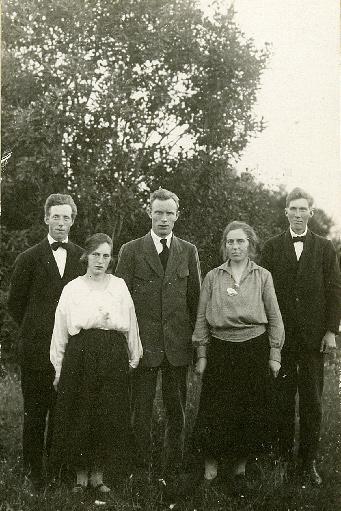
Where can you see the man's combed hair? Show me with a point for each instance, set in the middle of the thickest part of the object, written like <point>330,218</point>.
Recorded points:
<point>299,193</point>
<point>163,194</point>
<point>60,199</point>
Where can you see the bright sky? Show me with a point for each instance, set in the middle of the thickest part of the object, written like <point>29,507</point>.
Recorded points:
<point>299,97</point>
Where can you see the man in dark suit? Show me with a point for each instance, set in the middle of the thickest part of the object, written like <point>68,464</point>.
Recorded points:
<point>307,281</point>
<point>162,273</point>
<point>40,273</point>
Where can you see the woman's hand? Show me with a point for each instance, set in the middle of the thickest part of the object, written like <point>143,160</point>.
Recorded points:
<point>274,367</point>
<point>200,365</point>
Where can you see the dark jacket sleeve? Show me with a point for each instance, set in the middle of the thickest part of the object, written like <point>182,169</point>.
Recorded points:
<point>266,258</point>
<point>332,278</point>
<point>125,266</point>
<point>194,284</point>
<point>20,287</point>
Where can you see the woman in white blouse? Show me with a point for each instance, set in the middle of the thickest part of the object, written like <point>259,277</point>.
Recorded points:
<point>95,343</point>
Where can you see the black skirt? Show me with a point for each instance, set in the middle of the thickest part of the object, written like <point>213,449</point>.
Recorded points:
<point>92,415</point>
<point>232,416</point>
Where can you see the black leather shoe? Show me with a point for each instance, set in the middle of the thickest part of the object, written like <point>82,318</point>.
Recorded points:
<point>310,474</point>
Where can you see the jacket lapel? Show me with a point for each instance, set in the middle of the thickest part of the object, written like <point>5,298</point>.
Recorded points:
<point>71,262</point>
<point>47,259</point>
<point>151,255</point>
<point>289,251</point>
<point>305,262</point>
<point>174,256</point>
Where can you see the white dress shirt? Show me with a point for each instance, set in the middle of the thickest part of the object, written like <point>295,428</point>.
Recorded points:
<point>157,242</point>
<point>298,246</point>
<point>82,308</point>
<point>59,255</point>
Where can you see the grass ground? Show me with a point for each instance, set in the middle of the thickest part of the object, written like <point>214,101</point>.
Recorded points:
<point>270,494</point>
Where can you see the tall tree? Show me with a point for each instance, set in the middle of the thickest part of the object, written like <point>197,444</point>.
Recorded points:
<point>106,98</point>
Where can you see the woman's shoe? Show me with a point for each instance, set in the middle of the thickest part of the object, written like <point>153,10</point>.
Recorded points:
<point>211,469</point>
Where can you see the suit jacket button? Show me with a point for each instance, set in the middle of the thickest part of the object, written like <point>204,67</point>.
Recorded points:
<point>297,299</point>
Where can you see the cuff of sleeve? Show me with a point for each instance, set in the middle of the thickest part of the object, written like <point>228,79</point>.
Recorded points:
<point>275,354</point>
<point>134,363</point>
<point>56,378</point>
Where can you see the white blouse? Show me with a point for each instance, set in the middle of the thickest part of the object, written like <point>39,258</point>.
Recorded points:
<point>81,308</point>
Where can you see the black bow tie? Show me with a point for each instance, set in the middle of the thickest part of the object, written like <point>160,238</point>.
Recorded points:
<point>56,244</point>
<point>296,239</point>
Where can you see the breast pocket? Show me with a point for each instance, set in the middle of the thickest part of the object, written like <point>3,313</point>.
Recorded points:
<point>143,283</point>
<point>182,275</point>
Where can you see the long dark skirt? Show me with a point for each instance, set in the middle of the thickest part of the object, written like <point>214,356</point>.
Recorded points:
<point>92,416</point>
<point>231,419</point>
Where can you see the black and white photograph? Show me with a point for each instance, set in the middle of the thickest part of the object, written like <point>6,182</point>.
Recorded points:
<point>170,303</point>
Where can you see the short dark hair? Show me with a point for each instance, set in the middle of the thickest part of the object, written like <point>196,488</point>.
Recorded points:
<point>93,242</point>
<point>163,194</point>
<point>299,193</point>
<point>59,199</point>
<point>249,232</point>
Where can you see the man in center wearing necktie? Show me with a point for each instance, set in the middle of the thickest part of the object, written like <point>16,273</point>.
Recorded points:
<point>162,273</point>
<point>307,281</point>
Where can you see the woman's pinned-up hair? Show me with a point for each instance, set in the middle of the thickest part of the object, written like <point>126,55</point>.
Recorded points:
<point>93,242</point>
<point>249,233</point>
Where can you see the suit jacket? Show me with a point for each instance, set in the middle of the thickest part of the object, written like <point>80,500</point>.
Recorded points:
<point>165,302</point>
<point>35,289</point>
<point>308,290</point>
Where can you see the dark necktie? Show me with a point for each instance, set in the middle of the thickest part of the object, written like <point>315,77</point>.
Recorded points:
<point>56,244</point>
<point>296,239</point>
<point>164,254</point>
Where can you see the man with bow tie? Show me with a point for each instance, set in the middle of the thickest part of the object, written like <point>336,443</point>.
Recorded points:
<point>307,281</point>
<point>39,275</point>
<point>162,273</point>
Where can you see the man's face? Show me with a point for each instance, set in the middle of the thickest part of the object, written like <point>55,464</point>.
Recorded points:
<point>298,213</point>
<point>164,214</point>
<point>59,221</point>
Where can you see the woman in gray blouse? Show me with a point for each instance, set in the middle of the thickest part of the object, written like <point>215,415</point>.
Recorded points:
<point>238,335</point>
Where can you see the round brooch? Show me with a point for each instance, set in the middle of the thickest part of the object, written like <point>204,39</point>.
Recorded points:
<point>231,291</point>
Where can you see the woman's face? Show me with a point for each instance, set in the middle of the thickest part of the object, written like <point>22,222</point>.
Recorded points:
<point>237,245</point>
<point>99,259</point>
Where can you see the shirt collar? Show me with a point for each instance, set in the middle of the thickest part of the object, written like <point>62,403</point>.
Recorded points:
<point>251,265</point>
<point>157,238</point>
<point>294,235</point>
<point>51,240</point>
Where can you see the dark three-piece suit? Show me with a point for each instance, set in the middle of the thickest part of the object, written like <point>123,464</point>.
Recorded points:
<point>309,296</point>
<point>166,305</point>
<point>35,290</point>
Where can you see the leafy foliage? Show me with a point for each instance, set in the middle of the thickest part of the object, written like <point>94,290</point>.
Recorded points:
<point>99,104</point>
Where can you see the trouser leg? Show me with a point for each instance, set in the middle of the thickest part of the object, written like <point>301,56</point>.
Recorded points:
<point>310,388</point>
<point>144,389</point>
<point>174,399</point>
<point>286,389</point>
<point>38,396</point>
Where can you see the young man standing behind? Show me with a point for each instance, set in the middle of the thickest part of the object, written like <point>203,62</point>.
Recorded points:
<point>307,281</point>
<point>40,273</point>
